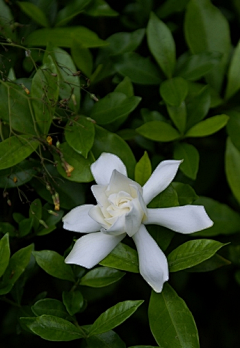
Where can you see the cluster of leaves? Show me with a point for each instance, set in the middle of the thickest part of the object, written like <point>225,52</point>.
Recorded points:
<point>67,94</point>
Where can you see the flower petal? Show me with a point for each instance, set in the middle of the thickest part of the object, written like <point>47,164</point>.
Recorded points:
<point>133,219</point>
<point>104,166</point>
<point>90,249</point>
<point>96,214</point>
<point>120,182</point>
<point>153,264</point>
<point>161,177</point>
<point>186,219</point>
<point>118,226</point>
<point>78,220</point>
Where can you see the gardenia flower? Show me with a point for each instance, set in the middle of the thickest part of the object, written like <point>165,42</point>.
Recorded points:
<point>122,210</point>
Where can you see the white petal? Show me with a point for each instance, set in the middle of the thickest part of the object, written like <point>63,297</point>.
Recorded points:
<point>117,228</point>
<point>120,182</point>
<point>99,194</point>
<point>90,249</point>
<point>134,218</point>
<point>153,264</point>
<point>186,219</point>
<point>162,176</point>
<point>78,220</point>
<point>96,214</point>
<point>104,166</point>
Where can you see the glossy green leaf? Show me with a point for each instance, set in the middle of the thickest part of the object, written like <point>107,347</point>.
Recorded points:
<point>143,169</point>
<point>161,44</point>
<point>44,93</point>
<point>4,253</point>
<point>50,306</point>
<point>82,58</point>
<point>174,91</point>
<point>126,87</point>
<point>70,11</point>
<point>232,168</point>
<point>81,165</point>
<point>178,115</point>
<point>99,8</point>
<point>203,23</point>
<point>215,262</point>
<point>53,328</point>
<point>233,127</point>
<point>192,253</point>
<point>208,127</point>
<point>35,212</point>
<point>139,69</point>
<point>18,175</point>
<point>6,227</point>
<point>198,106</point>
<point>79,134</point>
<point>5,19</point>
<point>165,199</point>
<point>64,37</point>
<point>73,301</point>
<point>122,257</point>
<point>143,347</point>
<point>16,266</point>
<point>112,107</point>
<point>15,108</point>
<point>109,142</point>
<point>226,220</point>
<point>34,12</point>
<point>25,227</point>
<point>15,149</point>
<point>53,263</point>
<point>186,194</point>
<point>158,131</point>
<point>114,316</point>
<point>101,276</point>
<point>233,84</point>
<point>166,9</point>
<point>171,322</point>
<point>197,65</point>
<point>105,340</point>
<point>190,156</point>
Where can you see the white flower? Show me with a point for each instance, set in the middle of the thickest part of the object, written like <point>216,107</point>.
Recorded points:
<point>122,210</point>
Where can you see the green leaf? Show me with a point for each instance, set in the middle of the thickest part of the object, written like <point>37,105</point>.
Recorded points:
<point>233,84</point>
<point>186,194</point>
<point>226,220</point>
<point>25,227</point>
<point>112,107</point>
<point>114,316</point>
<point>99,8</point>
<point>6,227</point>
<point>50,306</point>
<point>143,169</point>
<point>203,23</point>
<point>178,115</point>
<point>190,156</point>
<point>101,276</point>
<point>233,127</point>
<point>53,328</point>
<point>174,91</point>
<point>158,131</point>
<point>35,212</point>
<point>73,301</point>
<point>44,92</point>
<point>81,165</point>
<point>125,86</point>
<point>198,106</point>
<point>64,37</point>
<point>109,142</point>
<point>166,9</point>
<point>82,57</point>
<point>122,257</point>
<point>192,253</point>
<point>53,263</point>
<point>4,253</point>
<point>165,199</point>
<point>15,107</point>
<point>171,322</point>
<point>105,340</point>
<point>161,44</point>
<point>208,127</point>
<point>215,262</point>
<point>5,19</point>
<point>79,134</point>
<point>232,168</point>
<point>197,65</point>
<point>139,69</point>
<point>70,11</point>
<point>34,12</point>
<point>16,266</point>
<point>18,175</point>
